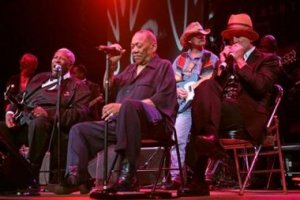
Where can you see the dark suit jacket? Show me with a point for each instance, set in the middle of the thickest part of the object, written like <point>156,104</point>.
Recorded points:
<point>96,100</point>
<point>75,97</point>
<point>257,79</point>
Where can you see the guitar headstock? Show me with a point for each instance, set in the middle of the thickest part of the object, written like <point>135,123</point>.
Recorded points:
<point>8,91</point>
<point>288,58</point>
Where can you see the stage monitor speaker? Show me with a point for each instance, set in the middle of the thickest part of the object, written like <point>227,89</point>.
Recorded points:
<point>149,159</point>
<point>15,171</point>
<point>93,164</point>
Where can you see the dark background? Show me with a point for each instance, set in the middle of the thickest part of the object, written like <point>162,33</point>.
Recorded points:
<point>43,26</point>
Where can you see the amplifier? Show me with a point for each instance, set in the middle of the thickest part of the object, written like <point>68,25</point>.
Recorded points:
<point>148,164</point>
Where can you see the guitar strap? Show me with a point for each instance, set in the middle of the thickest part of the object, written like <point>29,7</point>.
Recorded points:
<point>205,61</point>
<point>181,63</point>
<point>182,59</point>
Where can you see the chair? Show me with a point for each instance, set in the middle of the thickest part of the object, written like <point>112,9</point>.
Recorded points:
<point>165,146</point>
<point>271,146</point>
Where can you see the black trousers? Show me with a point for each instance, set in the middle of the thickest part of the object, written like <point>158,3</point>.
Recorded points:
<point>35,134</point>
<point>211,114</point>
<point>135,121</point>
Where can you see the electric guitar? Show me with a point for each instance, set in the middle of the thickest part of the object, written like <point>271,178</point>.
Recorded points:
<point>98,99</point>
<point>189,85</point>
<point>17,102</point>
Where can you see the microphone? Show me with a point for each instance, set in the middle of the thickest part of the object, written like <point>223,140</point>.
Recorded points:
<point>228,61</point>
<point>229,58</point>
<point>58,67</point>
<point>109,49</point>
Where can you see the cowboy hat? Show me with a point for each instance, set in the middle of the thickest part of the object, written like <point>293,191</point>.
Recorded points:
<point>191,30</point>
<point>240,25</point>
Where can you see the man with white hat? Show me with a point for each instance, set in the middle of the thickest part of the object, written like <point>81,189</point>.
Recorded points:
<point>235,99</point>
<point>194,65</point>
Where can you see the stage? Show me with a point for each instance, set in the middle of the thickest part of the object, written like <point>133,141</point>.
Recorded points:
<point>215,195</point>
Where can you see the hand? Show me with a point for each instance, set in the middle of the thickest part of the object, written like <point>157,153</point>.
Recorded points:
<point>237,51</point>
<point>39,112</point>
<point>223,55</point>
<point>10,120</point>
<point>182,93</point>
<point>110,110</point>
<point>116,56</point>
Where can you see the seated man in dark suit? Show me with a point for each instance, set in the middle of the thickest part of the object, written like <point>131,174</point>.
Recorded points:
<point>237,98</point>
<point>38,115</point>
<point>79,72</point>
<point>145,107</point>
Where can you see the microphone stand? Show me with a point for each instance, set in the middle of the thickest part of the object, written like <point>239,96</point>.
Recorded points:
<point>104,191</point>
<point>105,159</point>
<point>56,123</point>
<point>58,120</point>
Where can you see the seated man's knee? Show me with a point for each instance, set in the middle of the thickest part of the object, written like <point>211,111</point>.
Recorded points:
<point>76,130</point>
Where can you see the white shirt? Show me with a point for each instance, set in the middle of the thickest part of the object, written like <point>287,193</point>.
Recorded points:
<point>248,53</point>
<point>49,81</point>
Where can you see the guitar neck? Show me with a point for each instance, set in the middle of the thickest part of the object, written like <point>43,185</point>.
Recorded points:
<point>96,100</point>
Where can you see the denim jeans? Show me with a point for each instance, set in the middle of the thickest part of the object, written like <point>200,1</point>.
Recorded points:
<point>182,126</point>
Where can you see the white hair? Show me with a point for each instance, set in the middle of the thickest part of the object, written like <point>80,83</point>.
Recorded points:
<point>70,55</point>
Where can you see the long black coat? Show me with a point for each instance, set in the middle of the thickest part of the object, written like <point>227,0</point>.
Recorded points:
<point>256,79</point>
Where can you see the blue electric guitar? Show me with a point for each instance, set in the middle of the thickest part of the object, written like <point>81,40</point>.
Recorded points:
<point>190,84</point>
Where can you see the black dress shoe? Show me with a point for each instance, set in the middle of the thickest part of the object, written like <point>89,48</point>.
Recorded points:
<point>63,189</point>
<point>70,185</point>
<point>31,191</point>
<point>196,189</point>
<point>127,180</point>
<point>173,185</point>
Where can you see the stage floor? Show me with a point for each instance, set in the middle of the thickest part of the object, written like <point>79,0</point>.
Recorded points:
<point>215,195</point>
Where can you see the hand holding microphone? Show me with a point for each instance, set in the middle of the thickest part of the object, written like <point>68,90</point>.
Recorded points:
<point>234,53</point>
<point>238,51</point>
<point>225,52</point>
<point>226,57</point>
<point>111,50</point>
<point>114,53</point>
